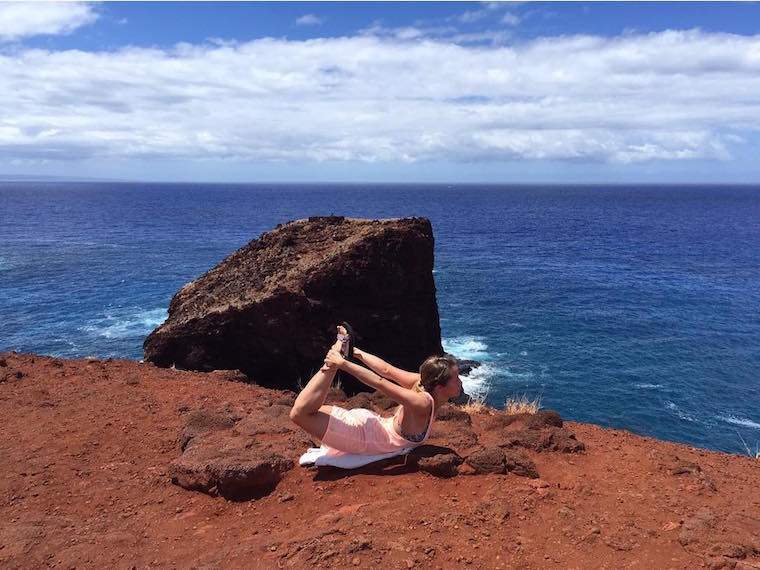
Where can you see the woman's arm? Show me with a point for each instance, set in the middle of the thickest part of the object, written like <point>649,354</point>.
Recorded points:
<point>395,392</point>
<point>401,377</point>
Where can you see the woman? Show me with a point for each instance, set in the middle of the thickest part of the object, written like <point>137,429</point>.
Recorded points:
<point>363,431</point>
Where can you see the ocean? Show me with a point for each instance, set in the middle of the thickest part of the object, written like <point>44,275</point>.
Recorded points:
<point>634,307</point>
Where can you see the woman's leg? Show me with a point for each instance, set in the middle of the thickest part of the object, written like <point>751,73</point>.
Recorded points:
<point>308,411</point>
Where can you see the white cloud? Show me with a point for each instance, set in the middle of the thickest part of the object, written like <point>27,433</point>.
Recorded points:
<point>472,16</point>
<point>24,19</point>
<point>510,19</point>
<point>309,20</point>
<point>675,95</point>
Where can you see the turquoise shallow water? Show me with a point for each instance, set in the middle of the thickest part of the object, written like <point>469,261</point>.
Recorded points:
<point>633,307</point>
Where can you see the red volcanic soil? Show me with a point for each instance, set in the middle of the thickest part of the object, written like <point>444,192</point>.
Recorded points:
<point>85,481</point>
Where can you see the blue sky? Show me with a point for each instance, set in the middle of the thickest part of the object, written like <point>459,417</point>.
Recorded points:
<point>382,92</point>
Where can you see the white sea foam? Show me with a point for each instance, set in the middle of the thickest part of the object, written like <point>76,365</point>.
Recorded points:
<point>478,381</point>
<point>512,375</point>
<point>466,347</point>
<point>645,386</point>
<point>679,412</point>
<point>126,325</point>
<point>737,421</point>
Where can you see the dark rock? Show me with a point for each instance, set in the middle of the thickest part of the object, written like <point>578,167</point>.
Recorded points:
<point>358,544</point>
<point>259,424</point>
<point>720,563</point>
<point>3,363</point>
<point>548,439</point>
<point>487,460</point>
<point>495,460</point>
<point>203,421</point>
<point>460,437</point>
<point>539,420</point>
<point>738,551</point>
<point>230,376</point>
<point>360,400</point>
<point>286,398</point>
<point>270,309</point>
<point>381,401</point>
<point>520,464</point>
<point>441,465</point>
<point>544,418</point>
<point>451,413</point>
<point>695,525</point>
<point>682,467</point>
<point>231,467</point>
<point>465,366</point>
<point>462,400</point>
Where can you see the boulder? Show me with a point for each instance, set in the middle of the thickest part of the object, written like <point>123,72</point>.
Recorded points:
<point>547,439</point>
<point>229,466</point>
<point>540,419</point>
<point>496,460</point>
<point>270,309</point>
<point>520,464</point>
<point>459,436</point>
<point>452,413</point>
<point>202,420</point>
<point>466,366</point>
<point>441,465</point>
<point>463,399</point>
<point>487,460</point>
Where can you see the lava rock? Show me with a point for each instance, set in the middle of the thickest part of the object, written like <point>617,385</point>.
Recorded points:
<point>539,420</point>
<point>520,464</point>
<point>441,465</point>
<point>487,460</point>
<point>270,308</point>
<point>203,420</point>
<point>548,439</point>
<point>452,413</point>
<point>220,464</point>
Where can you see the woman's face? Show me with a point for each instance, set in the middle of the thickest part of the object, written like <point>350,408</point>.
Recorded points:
<point>453,387</point>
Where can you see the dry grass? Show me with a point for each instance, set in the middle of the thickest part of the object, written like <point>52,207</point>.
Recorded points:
<point>754,454</point>
<point>477,404</point>
<point>522,405</point>
<point>476,407</point>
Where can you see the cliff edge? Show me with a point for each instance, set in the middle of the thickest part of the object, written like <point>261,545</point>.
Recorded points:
<point>92,456</point>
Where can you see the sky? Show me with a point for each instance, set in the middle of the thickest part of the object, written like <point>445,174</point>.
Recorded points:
<point>416,92</point>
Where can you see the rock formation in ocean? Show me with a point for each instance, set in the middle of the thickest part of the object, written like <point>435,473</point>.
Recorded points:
<point>270,309</point>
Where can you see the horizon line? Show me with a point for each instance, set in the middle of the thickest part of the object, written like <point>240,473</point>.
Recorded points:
<point>65,179</point>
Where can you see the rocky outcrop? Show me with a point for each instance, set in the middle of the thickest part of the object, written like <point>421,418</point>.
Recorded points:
<point>270,309</point>
<point>496,460</point>
<point>227,466</point>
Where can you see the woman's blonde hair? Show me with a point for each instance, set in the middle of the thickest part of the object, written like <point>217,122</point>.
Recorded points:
<point>435,371</point>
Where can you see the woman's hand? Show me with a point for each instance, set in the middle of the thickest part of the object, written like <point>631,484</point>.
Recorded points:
<point>358,353</point>
<point>334,359</point>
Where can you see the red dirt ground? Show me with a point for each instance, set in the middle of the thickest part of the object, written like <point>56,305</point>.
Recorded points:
<point>85,448</point>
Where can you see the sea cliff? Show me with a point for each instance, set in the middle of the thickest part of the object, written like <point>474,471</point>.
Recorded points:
<point>91,450</point>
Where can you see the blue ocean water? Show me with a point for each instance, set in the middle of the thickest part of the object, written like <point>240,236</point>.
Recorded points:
<point>632,307</point>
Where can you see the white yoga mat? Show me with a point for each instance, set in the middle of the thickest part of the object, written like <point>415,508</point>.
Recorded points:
<point>323,455</point>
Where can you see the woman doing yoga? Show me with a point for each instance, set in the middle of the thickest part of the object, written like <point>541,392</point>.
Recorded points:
<point>363,431</point>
